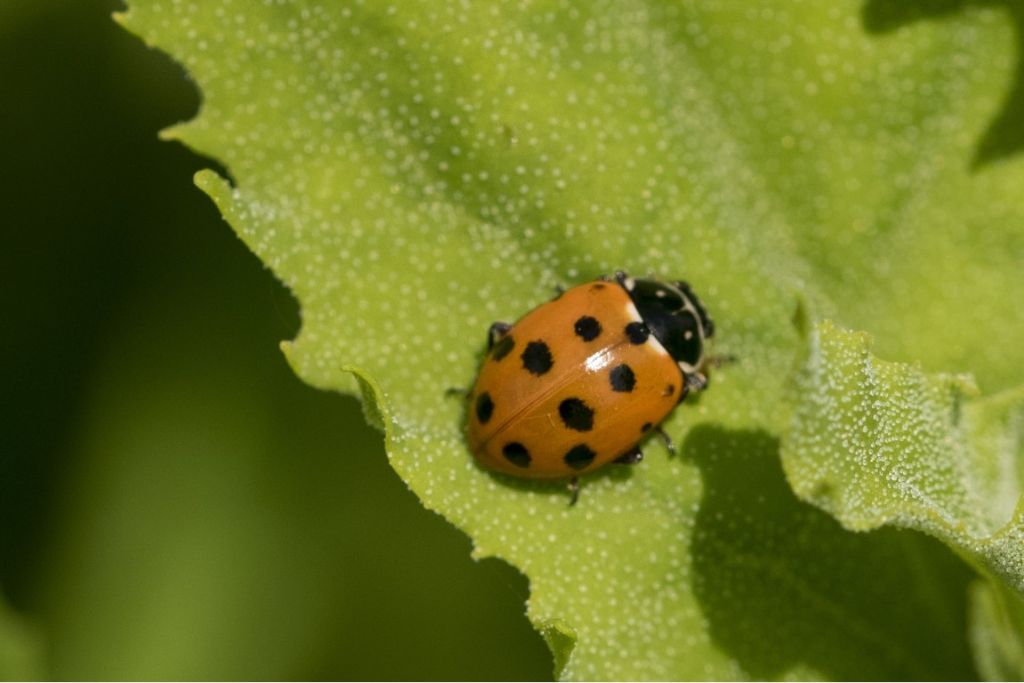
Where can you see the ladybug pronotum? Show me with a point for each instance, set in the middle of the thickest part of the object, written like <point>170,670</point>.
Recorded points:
<point>577,382</point>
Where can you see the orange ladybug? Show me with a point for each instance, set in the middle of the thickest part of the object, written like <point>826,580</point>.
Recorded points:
<point>577,382</point>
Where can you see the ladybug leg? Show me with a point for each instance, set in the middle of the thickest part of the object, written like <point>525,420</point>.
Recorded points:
<point>625,280</point>
<point>574,490</point>
<point>699,381</point>
<point>719,361</point>
<point>667,440</point>
<point>496,332</point>
<point>631,457</point>
<point>461,392</point>
<point>696,381</point>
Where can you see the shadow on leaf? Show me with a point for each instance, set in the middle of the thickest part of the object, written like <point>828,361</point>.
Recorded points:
<point>1005,134</point>
<point>788,592</point>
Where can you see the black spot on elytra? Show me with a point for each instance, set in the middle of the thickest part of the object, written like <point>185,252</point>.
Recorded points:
<point>646,427</point>
<point>599,286</point>
<point>587,328</point>
<point>503,347</point>
<point>576,414</point>
<point>579,456</point>
<point>622,378</point>
<point>484,407</point>
<point>669,390</point>
<point>516,454</point>
<point>537,357</point>
<point>637,332</point>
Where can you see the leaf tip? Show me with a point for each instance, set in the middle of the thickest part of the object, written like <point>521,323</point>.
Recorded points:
<point>480,553</point>
<point>213,184</point>
<point>560,639</point>
<point>372,398</point>
<point>170,134</point>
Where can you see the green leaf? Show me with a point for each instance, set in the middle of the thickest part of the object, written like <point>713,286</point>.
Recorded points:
<point>869,145</point>
<point>996,625</point>
<point>884,443</point>
<point>877,443</point>
<point>21,651</point>
<point>414,172</point>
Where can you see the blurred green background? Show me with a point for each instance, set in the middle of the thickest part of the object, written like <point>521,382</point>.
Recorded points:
<point>174,503</point>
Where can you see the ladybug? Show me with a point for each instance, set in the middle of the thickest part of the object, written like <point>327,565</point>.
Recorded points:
<point>577,382</point>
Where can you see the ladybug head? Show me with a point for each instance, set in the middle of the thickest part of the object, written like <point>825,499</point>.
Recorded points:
<point>674,315</point>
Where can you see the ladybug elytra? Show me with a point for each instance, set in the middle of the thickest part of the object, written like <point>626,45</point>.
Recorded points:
<point>577,382</point>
